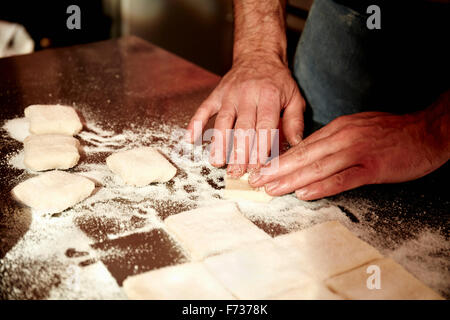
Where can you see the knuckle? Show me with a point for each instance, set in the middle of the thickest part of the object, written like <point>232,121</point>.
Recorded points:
<point>264,124</point>
<point>317,167</point>
<point>270,90</point>
<point>300,152</point>
<point>225,116</point>
<point>339,180</point>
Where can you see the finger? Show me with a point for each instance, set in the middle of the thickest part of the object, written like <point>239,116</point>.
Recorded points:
<point>207,109</point>
<point>293,123</point>
<point>224,122</point>
<point>268,117</point>
<point>244,135</point>
<point>301,156</point>
<point>316,171</point>
<point>346,180</point>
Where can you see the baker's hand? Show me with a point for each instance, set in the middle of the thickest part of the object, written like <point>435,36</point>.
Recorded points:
<point>360,149</point>
<point>251,96</point>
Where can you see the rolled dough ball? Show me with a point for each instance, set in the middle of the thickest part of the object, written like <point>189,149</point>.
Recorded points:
<point>313,290</point>
<point>45,152</point>
<point>328,249</point>
<point>190,281</point>
<point>212,230</point>
<point>53,191</point>
<point>395,283</point>
<point>142,166</point>
<point>239,189</point>
<point>53,119</point>
<point>257,270</point>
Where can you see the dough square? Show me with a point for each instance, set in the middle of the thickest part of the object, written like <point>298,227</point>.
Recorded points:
<point>257,270</point>
<point>396,283</point>
<point>45,152</point>
<point>211,230</point>
<point>313,290</point>
<point>53,191</point>
<point>53,119</point>
<point>328,249</point>
<point>141,166</point>
<point>190,281</point>
<point>240,189</point>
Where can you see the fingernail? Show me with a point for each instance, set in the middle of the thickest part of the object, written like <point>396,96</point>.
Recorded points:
<point>234,171</point>
<point>272,186</point>
<point>297,139</point>
<point>302,193</point>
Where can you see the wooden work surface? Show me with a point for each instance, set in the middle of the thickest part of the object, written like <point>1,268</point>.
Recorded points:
<point>128,83</point>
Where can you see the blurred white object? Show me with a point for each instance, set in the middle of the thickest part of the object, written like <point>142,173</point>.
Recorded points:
<point>14,40</point>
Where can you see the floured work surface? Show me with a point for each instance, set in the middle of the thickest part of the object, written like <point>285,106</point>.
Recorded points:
<point>89,250</point>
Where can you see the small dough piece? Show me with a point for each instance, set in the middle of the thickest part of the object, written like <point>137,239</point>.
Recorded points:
<point>257,270</point>
<point>142,166</point>
<point>396,283</point>
<point>53,191</point>
<point>310,291</point>
<point>45,152</point>
<point>53,119</point>
<point>328,249</point>
<point>189,281</point>
<point>212,230</point>
<point>239,189</point>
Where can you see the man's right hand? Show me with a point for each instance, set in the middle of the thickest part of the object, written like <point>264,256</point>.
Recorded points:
<point>251,96</point>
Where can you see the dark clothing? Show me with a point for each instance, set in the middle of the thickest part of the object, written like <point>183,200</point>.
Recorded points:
<point>343,67</point>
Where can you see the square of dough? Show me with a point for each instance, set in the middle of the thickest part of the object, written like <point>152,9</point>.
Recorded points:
<point>45,152</point>
<point>190,281</point>
<point>395,283</point>
<point>328,249</point>
<point>313,290</point>
<point>212,230</point>
<point>53,119</point>
<point>240,189</point>
<point>141,166</point>
<point>257,270</point>
<point>53,191</point>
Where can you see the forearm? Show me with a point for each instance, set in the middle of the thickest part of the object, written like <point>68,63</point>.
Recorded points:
<point>259,29</point>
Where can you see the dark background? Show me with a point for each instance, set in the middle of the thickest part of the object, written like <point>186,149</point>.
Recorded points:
<point>200,31</point>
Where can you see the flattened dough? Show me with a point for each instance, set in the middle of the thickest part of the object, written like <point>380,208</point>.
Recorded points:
<point>396,283</point>
<point>313,290</point>
<point>142,166</point>
<point>328,249</point>
<point>45,152</point>
<point>257,270</point>
<point>212,230</point>
<point>239,189</point>
<point>53,191</point>
<point>190,281</point>
<point>53,119</point>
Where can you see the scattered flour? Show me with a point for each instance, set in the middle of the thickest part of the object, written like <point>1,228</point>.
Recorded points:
<point>116,210</point>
